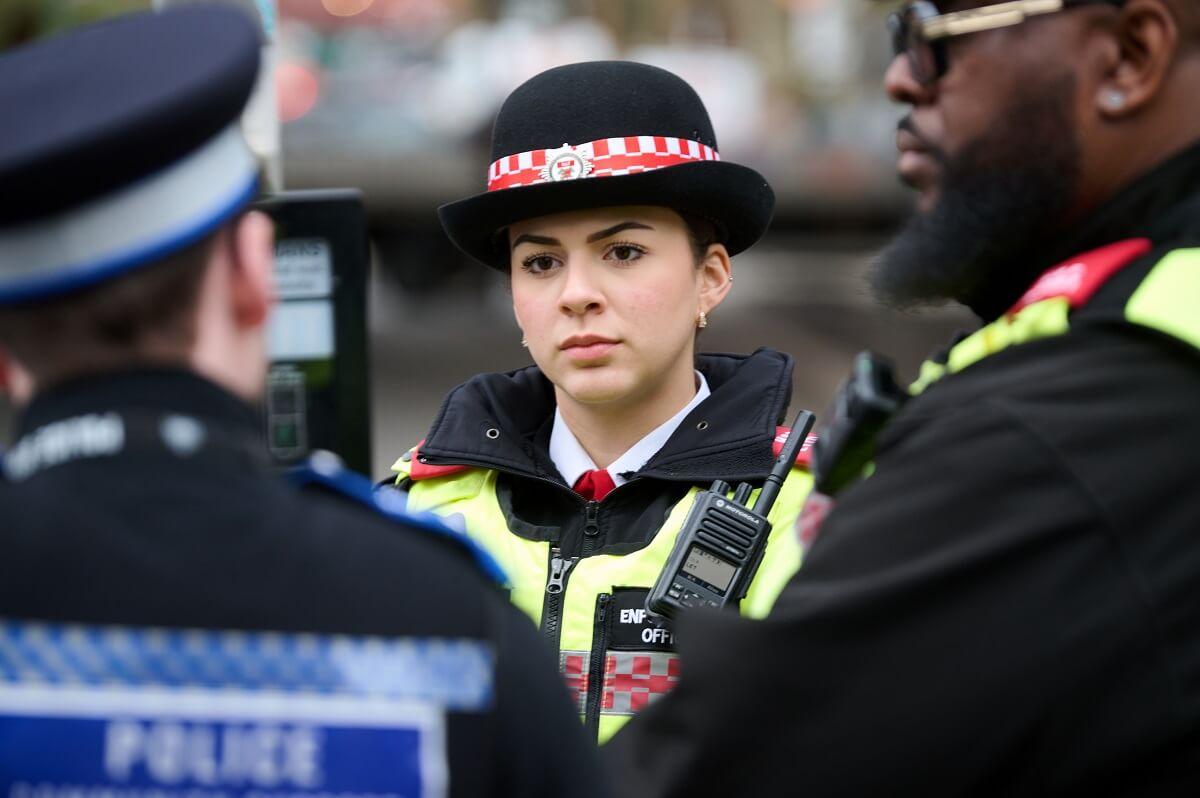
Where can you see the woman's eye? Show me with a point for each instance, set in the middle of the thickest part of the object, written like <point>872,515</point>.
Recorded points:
<point>625,252</point>
<point>537,264</point>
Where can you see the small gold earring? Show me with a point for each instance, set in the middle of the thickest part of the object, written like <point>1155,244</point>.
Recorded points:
<point>702,321</point>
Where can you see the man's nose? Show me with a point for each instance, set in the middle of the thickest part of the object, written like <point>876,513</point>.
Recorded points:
<point>902,86</point>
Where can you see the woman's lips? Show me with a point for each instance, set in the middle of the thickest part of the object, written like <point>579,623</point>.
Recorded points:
<point>582,348</point>
<point>592,351</point>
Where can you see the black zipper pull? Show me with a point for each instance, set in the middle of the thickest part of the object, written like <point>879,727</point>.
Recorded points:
<point>591,527</point>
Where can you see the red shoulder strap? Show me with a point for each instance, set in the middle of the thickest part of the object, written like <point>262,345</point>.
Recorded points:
<point>419,471</point>
<point>804,456</point>
<point>1081,276</point>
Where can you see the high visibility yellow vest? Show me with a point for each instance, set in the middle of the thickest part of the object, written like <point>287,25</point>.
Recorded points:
<point>605,641</point>
<point>1165,301</point>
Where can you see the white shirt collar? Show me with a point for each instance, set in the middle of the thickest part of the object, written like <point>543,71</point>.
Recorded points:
<point>572,460</point>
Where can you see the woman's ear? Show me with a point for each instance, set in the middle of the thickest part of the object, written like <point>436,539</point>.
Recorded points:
<point>716,277</point>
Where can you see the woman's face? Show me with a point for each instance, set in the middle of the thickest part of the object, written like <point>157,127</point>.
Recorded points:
<point>608,299</point>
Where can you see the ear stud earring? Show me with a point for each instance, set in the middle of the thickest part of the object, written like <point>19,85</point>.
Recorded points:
<point>1114,100</point>
<point>702,320</point>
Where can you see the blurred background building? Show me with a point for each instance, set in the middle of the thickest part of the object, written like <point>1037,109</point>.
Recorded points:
<point>396,97</point>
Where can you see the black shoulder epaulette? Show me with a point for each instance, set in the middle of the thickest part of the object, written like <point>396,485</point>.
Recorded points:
<point>325,470</point>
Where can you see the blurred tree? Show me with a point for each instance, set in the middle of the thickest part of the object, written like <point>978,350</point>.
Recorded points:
<point>25,20</point>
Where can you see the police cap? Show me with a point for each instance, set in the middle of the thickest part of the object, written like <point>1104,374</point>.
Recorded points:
<point>121,145</point>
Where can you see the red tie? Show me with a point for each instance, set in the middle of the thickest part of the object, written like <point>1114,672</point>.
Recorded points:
<point>594,485</point>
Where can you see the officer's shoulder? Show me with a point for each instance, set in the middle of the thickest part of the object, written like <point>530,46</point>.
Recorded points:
<point>324,475</point>
<point>411,467</point>
<point>803,456</point>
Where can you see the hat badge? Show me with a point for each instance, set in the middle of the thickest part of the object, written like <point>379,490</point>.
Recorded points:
<point>566,163</point>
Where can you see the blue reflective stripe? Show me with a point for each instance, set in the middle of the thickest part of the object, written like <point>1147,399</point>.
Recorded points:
<point>392,503</point>
<point>81,275</point>
<point>451,673</point>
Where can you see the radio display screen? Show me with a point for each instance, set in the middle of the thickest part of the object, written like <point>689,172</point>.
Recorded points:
<point>709,568</point>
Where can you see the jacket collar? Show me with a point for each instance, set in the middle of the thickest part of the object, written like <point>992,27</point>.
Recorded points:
<point>502,421</point>
<point>152,389</point>
<point>137,411</point>
<point>572,460</point>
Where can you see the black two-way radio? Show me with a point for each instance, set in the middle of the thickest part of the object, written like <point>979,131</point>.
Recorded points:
<point>862,407</point>
<point>721,544</point>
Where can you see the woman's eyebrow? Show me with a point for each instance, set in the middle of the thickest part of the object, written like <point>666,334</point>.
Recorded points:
<point>616,228</point>
<point>545,241</point>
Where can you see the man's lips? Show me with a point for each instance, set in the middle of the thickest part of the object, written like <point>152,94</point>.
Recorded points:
<point>587,347</point>
<point>916,164</point>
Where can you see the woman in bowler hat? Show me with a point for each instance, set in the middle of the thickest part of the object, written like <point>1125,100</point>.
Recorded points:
<point>610,210</point>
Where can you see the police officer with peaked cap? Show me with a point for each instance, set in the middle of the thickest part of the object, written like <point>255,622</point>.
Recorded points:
<point>172,617</point>
<point>1008,604</point>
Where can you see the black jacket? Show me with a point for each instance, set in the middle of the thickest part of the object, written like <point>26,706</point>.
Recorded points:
<point>1007,606</point>
<point>146,535</point>
<point>728,436</point>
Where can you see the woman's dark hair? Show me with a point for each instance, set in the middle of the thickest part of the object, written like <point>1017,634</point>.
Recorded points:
<point>702,233</point>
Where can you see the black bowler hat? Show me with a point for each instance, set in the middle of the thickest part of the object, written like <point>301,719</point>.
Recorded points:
<point>121,144</point>
<point>605,133</point>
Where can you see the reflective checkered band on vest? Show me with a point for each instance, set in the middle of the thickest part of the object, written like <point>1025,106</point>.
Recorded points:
<point>633,679</point>
<point>574,667</point>
<point>451,673</point>
<point>611,157</point>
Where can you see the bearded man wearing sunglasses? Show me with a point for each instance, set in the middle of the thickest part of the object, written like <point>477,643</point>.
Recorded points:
<point>1010,603</point>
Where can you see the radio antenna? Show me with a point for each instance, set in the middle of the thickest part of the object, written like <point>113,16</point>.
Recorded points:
<point>783,464</point>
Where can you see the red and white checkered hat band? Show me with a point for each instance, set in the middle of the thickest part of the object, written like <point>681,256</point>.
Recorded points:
<point>613,157</point>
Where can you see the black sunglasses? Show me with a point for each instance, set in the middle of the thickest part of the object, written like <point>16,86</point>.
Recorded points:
<point>919,31</point>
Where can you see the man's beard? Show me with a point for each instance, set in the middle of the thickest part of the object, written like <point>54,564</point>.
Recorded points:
<point>998,200</point>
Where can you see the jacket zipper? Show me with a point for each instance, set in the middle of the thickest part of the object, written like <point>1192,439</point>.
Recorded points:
<point>591,527</point>
<point>595,682</point>
<point>556,588</point>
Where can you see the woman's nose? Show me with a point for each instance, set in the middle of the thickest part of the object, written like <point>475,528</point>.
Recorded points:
<point>580,290</point>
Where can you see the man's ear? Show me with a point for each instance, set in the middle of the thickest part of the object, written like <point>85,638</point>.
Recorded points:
<point>15,380</point>
<point>252,276</point>
<point>716,277</point>
<point>1147,39</point>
